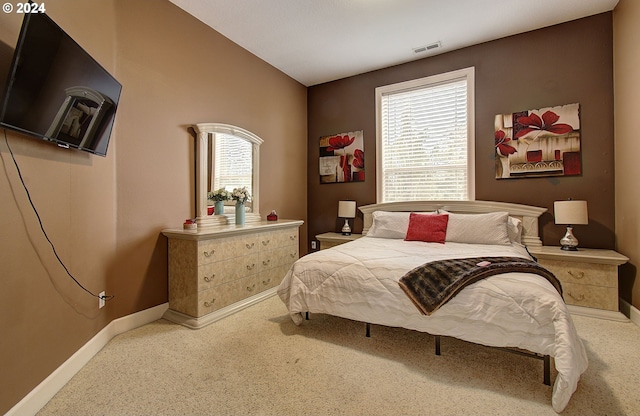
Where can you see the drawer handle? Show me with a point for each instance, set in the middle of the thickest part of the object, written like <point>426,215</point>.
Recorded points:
<point>266,262</point>
<point>575,275</point>
<point>579,298</point>
<point>250,246</point>
<point>251,267</point>
<point>293,255</point>
<point>250,288</point>
<point>266,282</point>
<point>209,304</point>
<point>292,237</point>
<point>209,278</point>
<point>265,243</point>
<point>209,253</point>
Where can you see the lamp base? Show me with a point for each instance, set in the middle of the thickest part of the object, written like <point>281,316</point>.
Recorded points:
<point>569,242</point>
<point>346,230</point>
<point>569,248</point>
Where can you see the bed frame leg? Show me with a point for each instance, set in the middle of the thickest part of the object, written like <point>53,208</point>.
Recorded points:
<point>545,359</point>
<point>547,370</point>
<point>306,315</point>
<point>367,327</point>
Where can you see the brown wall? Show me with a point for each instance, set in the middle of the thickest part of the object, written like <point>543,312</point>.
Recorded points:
<point>105,214</point>
<point>44,316</point>
<point>627,105</point>
<point>176,71</point>
<point>563,64</point>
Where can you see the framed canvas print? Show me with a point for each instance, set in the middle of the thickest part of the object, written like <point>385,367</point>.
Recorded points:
<point>534,143</point>
<point>342,157</point>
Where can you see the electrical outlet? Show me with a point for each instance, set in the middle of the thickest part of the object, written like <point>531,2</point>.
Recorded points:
<point>314,244</point>
<point>101,299</point>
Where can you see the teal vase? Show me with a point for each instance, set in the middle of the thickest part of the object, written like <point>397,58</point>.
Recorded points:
<point>239,213</point>
<point>219,207</point>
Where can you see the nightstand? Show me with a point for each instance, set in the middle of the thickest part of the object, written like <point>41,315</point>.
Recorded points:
<point>328,240</point>
<point>589,278</point>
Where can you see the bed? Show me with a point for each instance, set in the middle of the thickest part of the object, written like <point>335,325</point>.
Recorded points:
<point>361,281</point>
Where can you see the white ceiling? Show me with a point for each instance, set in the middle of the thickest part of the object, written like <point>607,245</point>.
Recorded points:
<point>315,41</point>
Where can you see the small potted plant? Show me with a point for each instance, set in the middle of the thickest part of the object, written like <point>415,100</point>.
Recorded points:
<point>240,195</point>
<point>218,197</point>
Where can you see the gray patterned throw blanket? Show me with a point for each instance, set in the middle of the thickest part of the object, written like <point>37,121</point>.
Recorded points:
<point>433,284</point>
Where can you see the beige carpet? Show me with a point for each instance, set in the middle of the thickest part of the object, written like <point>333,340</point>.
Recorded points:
<point>257,362</point>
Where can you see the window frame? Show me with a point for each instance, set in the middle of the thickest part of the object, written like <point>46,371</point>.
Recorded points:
<point>465,73</point>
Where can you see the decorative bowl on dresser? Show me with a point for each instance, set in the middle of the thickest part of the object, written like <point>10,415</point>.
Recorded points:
<point>218,271</point>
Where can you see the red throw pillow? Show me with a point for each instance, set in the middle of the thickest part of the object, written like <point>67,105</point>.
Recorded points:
<point>431,228</point>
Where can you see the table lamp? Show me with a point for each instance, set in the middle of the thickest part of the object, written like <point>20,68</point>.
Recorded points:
<point>570,213</point>
<point>346,210</point>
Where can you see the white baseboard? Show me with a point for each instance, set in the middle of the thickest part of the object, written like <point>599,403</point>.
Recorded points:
<point>627,312</point>
<point>630,311</point>
<point>39,396</point>
<point>597,313</point>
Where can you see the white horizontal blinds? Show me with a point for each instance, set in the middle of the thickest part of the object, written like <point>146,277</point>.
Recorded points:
<point>233,163</point>
<point>424,142</point>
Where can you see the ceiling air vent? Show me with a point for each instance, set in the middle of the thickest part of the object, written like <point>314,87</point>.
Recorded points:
<point>427,48</point>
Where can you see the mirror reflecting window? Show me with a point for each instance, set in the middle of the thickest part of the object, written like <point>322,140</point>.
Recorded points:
<point>232,165</point>
<point>226,157</point>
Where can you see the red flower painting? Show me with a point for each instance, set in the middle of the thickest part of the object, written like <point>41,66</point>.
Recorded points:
<point>339,142</point>
<point>342,157</point>
<point>358,159</point>
<point>540,142</point>
<point>502,147</point>
<point>548,122</point>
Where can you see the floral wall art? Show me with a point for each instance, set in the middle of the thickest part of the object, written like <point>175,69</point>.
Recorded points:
<point>544,142</point>
<point>342,157</point>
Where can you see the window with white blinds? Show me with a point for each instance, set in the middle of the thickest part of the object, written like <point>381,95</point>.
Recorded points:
<point>233,162</point>
<point>425,139</point>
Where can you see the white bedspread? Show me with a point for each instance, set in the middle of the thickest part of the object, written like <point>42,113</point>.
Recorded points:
<point>359,281</point>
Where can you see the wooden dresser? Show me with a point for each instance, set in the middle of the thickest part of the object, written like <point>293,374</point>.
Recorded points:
<point>218,271</point>
<point>589,278</point>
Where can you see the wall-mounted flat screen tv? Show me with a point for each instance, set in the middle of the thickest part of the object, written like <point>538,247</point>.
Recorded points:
<point>56,91</point>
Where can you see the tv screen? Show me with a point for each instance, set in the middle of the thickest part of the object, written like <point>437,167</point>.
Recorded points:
<point>56,91</point>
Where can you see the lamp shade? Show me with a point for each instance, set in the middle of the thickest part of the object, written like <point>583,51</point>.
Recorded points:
<point>347,209</point>
<point>571,212</point>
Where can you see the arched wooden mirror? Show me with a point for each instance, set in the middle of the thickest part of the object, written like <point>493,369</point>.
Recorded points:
<point>226,157</point>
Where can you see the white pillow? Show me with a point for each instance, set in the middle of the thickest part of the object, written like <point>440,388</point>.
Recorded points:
<point>490,228</point>
<point>514,229</point>
<point>388,224</point>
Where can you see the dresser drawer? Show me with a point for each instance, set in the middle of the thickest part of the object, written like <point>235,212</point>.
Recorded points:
<point>224,248</point>
<point>591,296</point>
<point>287,237</point>
<point>277,239</point>
<point>274,258</point>
<point>227,293</point>
<point>255,280</point>
<point>274,276</point>
<point>583,273</point>
<point>224,271</point>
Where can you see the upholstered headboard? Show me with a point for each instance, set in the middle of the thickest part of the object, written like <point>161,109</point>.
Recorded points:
<point>528,214</point>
